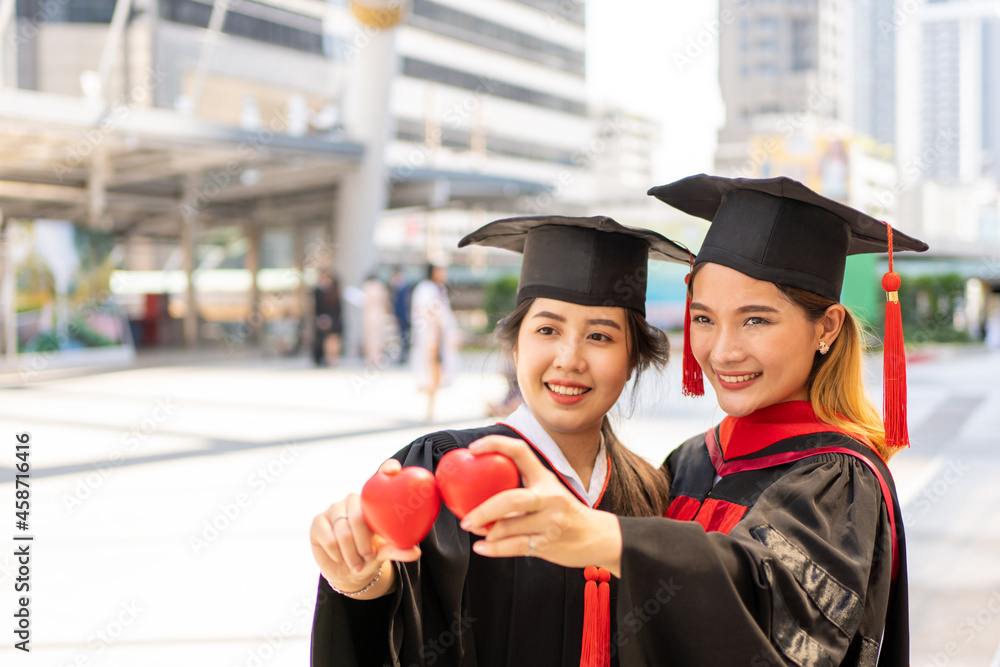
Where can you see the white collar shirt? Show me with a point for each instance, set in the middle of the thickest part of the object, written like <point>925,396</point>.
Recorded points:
<point>523,421</point>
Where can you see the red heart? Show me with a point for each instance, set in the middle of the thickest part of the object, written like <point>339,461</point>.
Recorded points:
<point>466,480</point>
<point>401,506</point>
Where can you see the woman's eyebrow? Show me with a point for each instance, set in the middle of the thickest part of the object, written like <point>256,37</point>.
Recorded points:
<point>752,308</point>
<point>559,318</point>
<point>756,308</point>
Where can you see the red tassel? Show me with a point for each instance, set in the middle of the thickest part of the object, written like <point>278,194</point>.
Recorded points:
<point>694,384</point>
<point>894,362</point>
<point>604,614</point>
<point>596,648</point>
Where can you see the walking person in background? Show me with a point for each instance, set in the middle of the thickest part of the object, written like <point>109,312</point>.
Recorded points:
<point>435,336</point>
<point>328,318</point>
<point>401,293</point>
<point>374,319</point>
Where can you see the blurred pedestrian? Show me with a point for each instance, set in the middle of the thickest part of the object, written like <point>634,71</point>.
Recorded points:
<point>401,293</point>
<point>329,324</point>
<point>435,336</point>
<point>374,319</point>
<point>993,326</point>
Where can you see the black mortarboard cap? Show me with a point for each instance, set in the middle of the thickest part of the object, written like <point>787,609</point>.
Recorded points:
<point>591,261</point>
<point>778,230</point>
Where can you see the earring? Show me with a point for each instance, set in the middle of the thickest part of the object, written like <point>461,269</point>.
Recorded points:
<point>823,347</point>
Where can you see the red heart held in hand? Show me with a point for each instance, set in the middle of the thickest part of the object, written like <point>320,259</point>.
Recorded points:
<point>466,479</point>
<point>401,506</point>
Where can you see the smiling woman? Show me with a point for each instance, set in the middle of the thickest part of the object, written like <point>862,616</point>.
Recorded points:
<point>783,533</point>
<point>753,343</point>
<point>576,337</point>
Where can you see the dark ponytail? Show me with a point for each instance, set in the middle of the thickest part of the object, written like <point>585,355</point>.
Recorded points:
<point>636,488</point>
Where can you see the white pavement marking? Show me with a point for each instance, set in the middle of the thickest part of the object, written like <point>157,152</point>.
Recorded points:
<point>915,483</point>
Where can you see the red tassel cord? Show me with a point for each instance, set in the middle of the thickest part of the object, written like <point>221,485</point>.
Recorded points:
<point>894,362</point>
<point>596,648</point>
<point>604,614</point>
<point>694,384</point>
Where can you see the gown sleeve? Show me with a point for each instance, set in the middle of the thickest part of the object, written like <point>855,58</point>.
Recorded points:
<point>428,594</point>
<point>787,586</point>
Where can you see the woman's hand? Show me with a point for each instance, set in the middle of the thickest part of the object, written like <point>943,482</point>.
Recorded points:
<point>349,554</point>
<point>542,519</point>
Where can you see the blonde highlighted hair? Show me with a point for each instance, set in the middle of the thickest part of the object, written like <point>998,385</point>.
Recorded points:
<point>836,383</point>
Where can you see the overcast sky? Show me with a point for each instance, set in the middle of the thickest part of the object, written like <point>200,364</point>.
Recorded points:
<point>660,58</point>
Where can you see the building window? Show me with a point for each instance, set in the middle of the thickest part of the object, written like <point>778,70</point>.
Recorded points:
<point>768,22</point>
<point>482,32</point>
<point>565,10</point>
<point>415,132</point>
<point>804,42</point>
<point>421,69</point>
<point>67,11</point>
<point>251,20</point>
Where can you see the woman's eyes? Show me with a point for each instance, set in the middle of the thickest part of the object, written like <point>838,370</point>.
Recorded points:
<point>753,321</point>
<point>551,331</point>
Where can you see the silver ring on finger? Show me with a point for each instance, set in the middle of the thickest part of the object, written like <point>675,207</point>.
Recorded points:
<point>338,518</point>
<point>531,546</point>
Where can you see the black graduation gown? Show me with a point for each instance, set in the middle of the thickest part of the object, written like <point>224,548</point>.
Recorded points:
<point>802,577</point>
<point>455,607</point>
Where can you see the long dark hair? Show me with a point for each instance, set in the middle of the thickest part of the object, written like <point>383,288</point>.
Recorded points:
<point>636,487</point>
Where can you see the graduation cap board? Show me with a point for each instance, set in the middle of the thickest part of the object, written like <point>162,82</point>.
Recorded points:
<point>593,261</point>
<point>778,230</point>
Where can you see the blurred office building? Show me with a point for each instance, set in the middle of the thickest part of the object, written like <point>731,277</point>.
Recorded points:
<point>949,138</point>
<point>228,151</point>
<point>782,67</point>
<point>889,107</point>
<point>199,138</point>
<point>491,119</point>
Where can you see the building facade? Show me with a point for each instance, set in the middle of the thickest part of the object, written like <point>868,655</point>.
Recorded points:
<point>780,62</point>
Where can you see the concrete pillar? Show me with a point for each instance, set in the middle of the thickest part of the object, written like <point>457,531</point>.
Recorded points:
<point>367,118</point>
<point>112,44</point>
<point>189,241</point>
<point>96,188</point>
<point>8,47</point>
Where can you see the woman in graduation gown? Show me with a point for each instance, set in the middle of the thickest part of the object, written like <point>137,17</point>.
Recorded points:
<point>577,335</point>
<point>784,540</point>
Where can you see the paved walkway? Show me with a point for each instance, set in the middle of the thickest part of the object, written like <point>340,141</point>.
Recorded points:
<point>170,505</point>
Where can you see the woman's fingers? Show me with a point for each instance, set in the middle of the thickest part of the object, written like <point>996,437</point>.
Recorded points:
<point>501,505</point>
<point>325,549</point>
<point>527,463</point>
<point>343,530</point>
<point>361,535</point>
<point>387,551</point>
<point>509,547</point>
<point>390,466</point>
